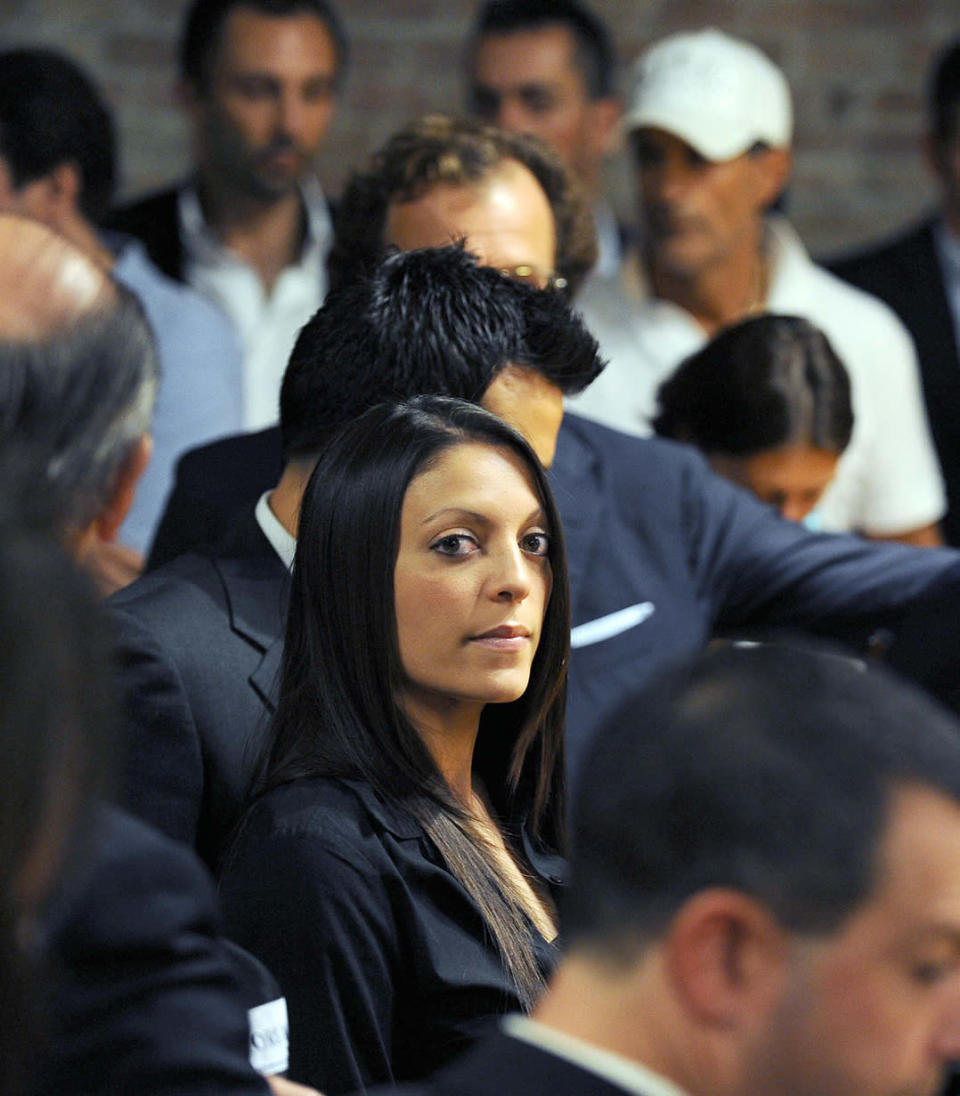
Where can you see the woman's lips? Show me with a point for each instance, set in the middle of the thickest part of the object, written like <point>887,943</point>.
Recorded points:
<point>508,637</point>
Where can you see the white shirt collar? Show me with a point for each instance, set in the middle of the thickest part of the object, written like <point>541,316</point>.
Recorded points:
<point>623,1072</point>
<point>281,541</point>
<point>609,245</point>
<point>201,243</point>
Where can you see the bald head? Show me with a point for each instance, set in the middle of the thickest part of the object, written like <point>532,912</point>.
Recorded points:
<point>46,283</point>
<point>78,372</point>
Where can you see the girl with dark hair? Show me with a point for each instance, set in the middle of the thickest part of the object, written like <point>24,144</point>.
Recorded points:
<point>768,402</point>
<point>397,871</point>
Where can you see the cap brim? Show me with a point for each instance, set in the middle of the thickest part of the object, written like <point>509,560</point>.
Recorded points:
<point>711,139</point>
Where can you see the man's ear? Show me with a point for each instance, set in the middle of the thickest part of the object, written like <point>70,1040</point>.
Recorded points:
<point>774,167</point>
<point>605,131</point>
<point>125,489</point>
<point>54,198</point>
<point>943,158</point>
<point>186,95</point>
<point>66,186</point>
<point>726,957</point>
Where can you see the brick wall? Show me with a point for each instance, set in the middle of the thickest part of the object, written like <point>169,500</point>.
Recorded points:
<point>856,67</point>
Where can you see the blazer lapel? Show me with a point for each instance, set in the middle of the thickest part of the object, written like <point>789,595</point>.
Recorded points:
<point>257,587</point>
<point>935,328</point>
<point>266,678</point>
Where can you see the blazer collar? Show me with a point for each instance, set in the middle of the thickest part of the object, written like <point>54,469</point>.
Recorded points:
<point>500,1063</point>
<point>257,589</point>
<point>393,819</point>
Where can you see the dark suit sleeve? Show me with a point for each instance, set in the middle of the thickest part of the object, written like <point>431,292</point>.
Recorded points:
<point>163,764</point>
<point>330,940</point>
<point>144,996</point>
<point>758,570</point>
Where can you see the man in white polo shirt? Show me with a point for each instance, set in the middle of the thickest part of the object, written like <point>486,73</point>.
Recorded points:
<point>710,124</point>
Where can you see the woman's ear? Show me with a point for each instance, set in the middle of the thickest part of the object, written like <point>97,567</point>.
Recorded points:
<point>726,957</point>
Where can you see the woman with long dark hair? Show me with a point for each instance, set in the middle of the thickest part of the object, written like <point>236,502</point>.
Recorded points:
<point>397,871</point>
<point>768,403</point>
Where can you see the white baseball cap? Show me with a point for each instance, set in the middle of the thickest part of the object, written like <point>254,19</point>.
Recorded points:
<point>717,93</point>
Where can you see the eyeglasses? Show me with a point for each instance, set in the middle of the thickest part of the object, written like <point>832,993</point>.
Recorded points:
<point>529,275</point>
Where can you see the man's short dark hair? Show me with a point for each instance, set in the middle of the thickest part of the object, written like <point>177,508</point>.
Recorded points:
<point>51,114</point>
<point>943,93</point>
<point>457,152</point>
<point>205,18</point>
<point>768,770</point>
<point>79,400</point>
<point>426,322</point>
<point>595,57</point>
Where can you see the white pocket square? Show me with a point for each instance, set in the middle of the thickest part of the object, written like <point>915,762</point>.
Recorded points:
<point>605,627</point>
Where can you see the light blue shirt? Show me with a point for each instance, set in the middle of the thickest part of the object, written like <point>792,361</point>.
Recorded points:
<point>200,395</point>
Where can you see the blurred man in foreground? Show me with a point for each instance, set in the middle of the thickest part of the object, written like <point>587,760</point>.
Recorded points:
<point>765,896</point>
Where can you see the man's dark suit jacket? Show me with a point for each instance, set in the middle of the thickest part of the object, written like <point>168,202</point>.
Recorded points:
<point>662,554</point>
<point>907,275</point>
<point>215,485</point>
<point>142,995</point>
<point>503,1066</point>
<point>155,220</point>
<point>197,649</point>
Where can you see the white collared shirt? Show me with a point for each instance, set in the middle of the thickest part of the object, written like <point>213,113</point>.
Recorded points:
<point>267,323</point>
<point>612,1067</point>
<point>280,540</point>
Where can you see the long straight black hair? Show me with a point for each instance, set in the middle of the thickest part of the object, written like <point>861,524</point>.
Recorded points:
<point>337,711</point>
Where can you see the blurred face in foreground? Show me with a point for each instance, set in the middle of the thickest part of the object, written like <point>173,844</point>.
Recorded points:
<point>873,1008</point>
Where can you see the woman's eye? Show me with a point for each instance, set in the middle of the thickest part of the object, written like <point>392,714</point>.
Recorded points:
<point>537,544</point>
<point>454,544</point>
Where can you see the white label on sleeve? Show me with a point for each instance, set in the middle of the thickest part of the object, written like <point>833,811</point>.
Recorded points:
<point>270,1037</point>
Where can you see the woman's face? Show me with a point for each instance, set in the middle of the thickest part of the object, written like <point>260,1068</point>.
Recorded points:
<point>472,581</point>
<point>791,477</point>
